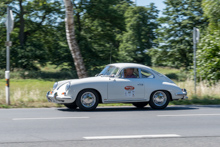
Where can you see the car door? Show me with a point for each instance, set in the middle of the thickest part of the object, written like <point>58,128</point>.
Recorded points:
<point>126,89</point>
<point>149,81</point>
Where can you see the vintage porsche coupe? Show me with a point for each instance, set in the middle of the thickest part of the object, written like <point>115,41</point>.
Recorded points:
<point>118,83</point>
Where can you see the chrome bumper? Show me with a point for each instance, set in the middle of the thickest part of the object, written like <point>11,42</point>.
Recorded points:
<point>183,93</point>
<point>53,97</point>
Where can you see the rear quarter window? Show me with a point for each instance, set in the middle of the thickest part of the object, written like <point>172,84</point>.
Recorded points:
<point>146,74</point>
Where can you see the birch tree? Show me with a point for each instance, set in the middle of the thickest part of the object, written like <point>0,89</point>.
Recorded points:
<point>71,39</point>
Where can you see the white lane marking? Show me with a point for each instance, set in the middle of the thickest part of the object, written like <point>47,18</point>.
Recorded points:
<point>133,136</point>
<point>188,115</point>
<point>48,118</point>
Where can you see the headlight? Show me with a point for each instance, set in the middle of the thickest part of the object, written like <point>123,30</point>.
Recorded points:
<point>67,86</point>
<point>55,85</point>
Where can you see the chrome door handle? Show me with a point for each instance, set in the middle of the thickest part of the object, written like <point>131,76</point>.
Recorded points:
<point>140,84</point>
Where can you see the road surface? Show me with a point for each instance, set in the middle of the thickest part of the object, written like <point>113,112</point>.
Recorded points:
<point>111,126</point>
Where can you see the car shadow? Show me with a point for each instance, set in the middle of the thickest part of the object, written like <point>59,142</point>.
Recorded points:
<point>129,108</point>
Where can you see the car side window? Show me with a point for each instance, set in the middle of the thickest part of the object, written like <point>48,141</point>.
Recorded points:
<point>146,74</point>
<point>129,73</point>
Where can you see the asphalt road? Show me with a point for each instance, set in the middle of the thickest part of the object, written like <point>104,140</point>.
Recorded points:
<point>111,126</point>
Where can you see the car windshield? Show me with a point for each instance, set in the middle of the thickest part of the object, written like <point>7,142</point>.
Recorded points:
<point>109,71</point>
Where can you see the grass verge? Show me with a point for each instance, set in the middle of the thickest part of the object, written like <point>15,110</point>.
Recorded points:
<point>195,100</point>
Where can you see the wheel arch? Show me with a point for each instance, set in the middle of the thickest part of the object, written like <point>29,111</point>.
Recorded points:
<point>100,96</point>
<point>171,98</point>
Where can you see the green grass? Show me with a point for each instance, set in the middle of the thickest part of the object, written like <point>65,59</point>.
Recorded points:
<point>166,70</point>
<point>26,92</point>
<point>205,100</point>
<point>172,73</point>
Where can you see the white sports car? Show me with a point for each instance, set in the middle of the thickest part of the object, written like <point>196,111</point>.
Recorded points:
<point>118,83</point>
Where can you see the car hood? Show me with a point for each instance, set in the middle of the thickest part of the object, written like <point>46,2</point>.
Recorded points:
<point>84,80</point>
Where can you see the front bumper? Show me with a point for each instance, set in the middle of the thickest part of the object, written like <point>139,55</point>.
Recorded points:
<point>53,97</point>
<point>183,94</point>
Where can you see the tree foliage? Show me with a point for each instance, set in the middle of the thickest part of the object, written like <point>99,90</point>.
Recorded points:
<point>138,37</point>
<point>208,54</point>
<point>209,57</point>
<point>211,10</point>
<point>104,29</point>
<point>175,34</point>
<point>35,23</point>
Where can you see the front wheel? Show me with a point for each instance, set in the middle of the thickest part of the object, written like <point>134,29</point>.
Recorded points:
<point>87,100</point>
<point>140,104</point>
<point>159,100</point>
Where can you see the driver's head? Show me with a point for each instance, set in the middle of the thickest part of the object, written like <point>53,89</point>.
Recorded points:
<point>129,71</point>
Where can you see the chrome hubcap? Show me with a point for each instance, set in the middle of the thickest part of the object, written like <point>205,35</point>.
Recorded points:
<point>88,99</point>
<point>159,98</point>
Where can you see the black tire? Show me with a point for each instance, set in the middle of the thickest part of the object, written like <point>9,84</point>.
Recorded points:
<point>159,99</point>
<point>87,100</point>
<point>71,105</point>
<point>140,104</point>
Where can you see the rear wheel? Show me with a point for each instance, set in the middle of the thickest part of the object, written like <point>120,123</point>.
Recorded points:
<point>87,99</point>
<point>159,100</point>
<point>140,104</point>
<point>71,105</point>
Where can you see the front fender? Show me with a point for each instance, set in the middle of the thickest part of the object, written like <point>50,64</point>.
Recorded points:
<point>100,87</point>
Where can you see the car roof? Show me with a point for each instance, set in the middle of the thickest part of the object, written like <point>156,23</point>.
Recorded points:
<point>125,65</point>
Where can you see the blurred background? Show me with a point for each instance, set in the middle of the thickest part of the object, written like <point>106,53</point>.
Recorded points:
<point>154,33</point>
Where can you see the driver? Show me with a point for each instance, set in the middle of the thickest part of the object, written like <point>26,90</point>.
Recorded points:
<point>129,73</point>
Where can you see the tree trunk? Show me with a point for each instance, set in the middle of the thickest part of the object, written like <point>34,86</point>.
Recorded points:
<point>70,34</point>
